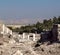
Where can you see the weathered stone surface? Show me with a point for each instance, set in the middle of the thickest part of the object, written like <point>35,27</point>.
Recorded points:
<point>28,48</point>
<point>53,49</point>
<point>15,46</point>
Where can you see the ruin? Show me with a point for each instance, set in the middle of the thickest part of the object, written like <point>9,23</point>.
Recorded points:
<point>56,32</point>
<point>53,35</point>
<point>12,43</point>
<point>7,33</point>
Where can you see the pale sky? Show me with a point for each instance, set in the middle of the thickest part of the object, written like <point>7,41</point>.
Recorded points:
<point>28,11</point>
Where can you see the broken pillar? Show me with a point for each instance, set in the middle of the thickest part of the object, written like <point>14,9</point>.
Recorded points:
<point>28,37</point>
<point>23,35</point>
<point>33,37</point>
<point>56,32</point>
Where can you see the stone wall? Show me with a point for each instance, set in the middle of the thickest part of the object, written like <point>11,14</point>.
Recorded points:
<point>56,32</point>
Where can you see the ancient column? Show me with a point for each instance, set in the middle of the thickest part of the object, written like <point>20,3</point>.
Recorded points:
<point>19,35</point>
<point>7,30</point>
<point>28,37</point>
<point>3,28</point>
<point>11,32</point>
<point>33,37</point>
<point>23,35</point>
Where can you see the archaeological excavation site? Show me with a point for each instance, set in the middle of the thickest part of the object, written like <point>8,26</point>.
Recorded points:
<point>45,43</point>
<point>29,27</point>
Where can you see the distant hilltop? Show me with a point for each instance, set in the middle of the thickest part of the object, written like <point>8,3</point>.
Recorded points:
<point>14,25</point>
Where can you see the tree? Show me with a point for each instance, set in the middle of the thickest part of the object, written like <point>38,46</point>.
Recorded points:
<point>55,20</point>
<point>59,19</point>
<point>47,24</point>
<point>39,27</point>
<point>50,24</point>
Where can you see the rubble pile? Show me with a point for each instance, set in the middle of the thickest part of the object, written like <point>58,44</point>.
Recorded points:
<point>16,49</point>
<point>44,49</point>
<point>29,48</point>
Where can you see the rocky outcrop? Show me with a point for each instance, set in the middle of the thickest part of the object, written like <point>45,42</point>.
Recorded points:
<point>53,49</point>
